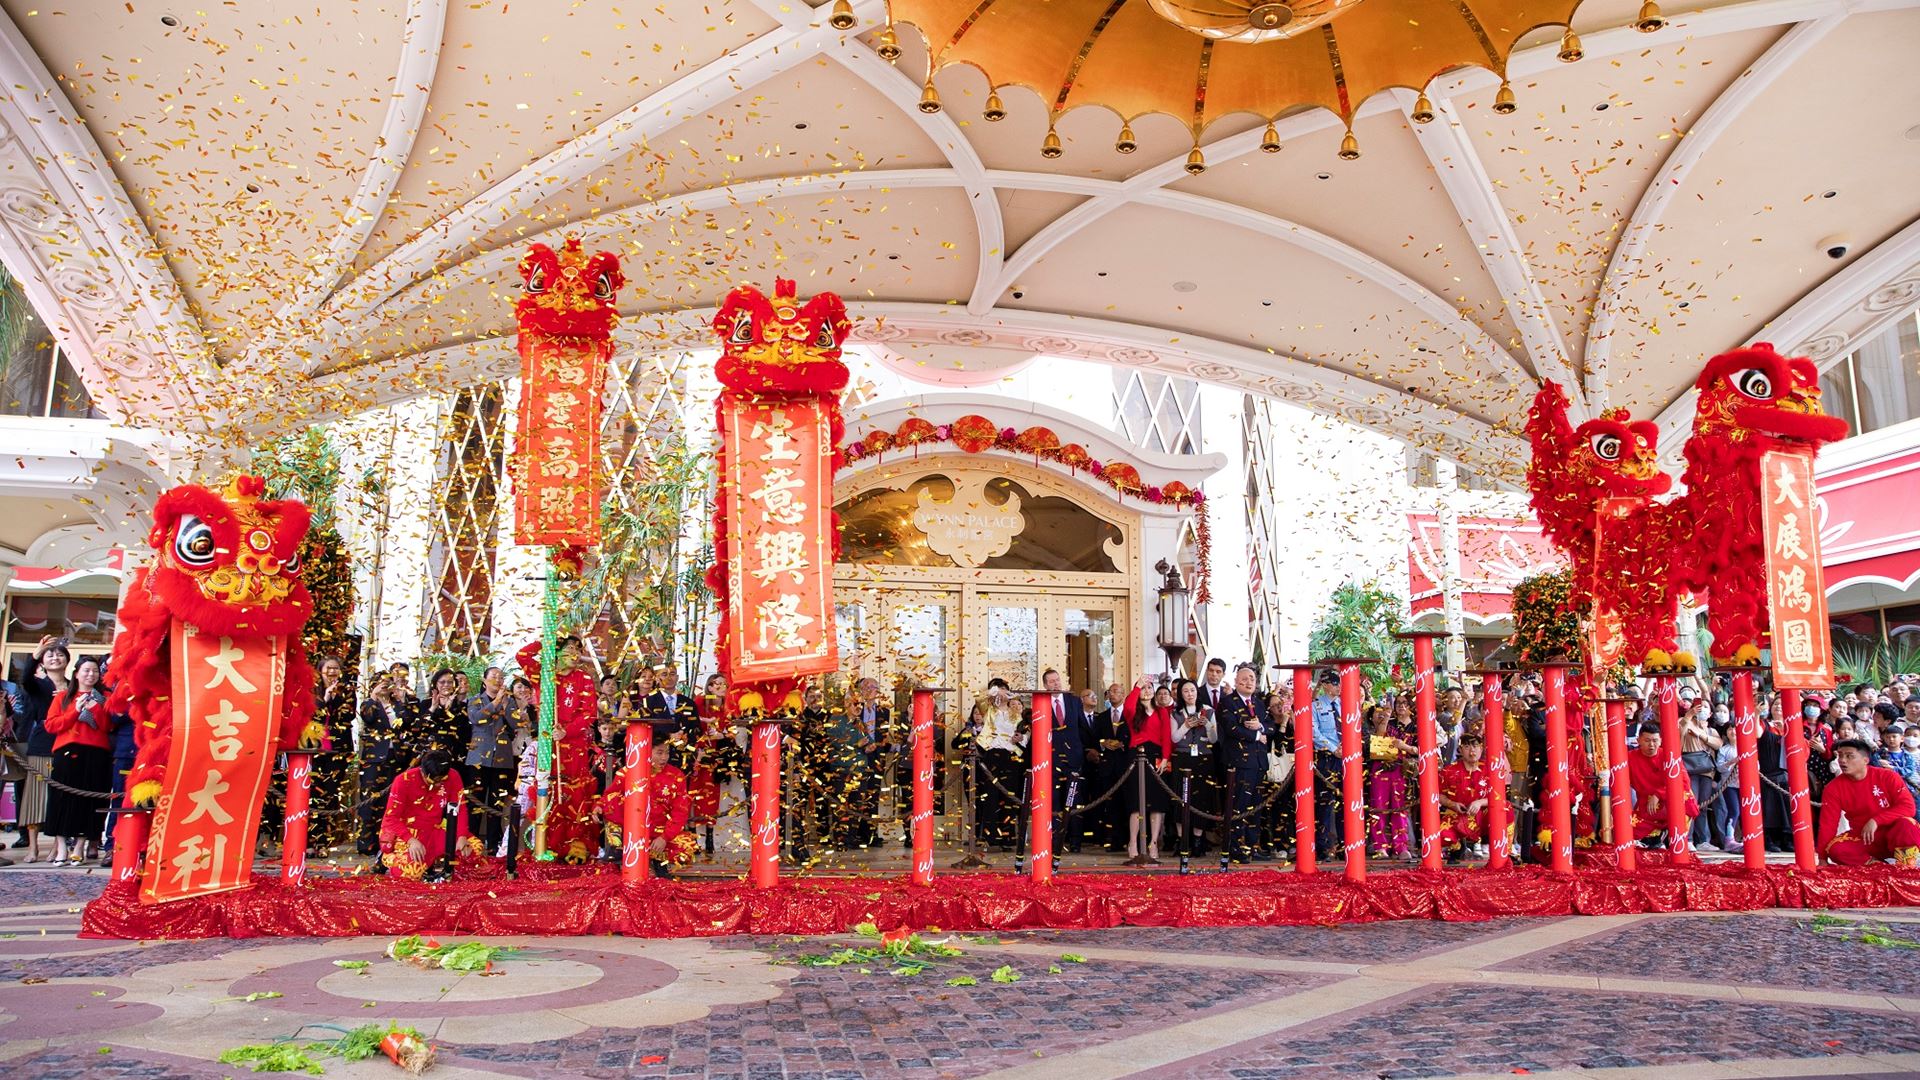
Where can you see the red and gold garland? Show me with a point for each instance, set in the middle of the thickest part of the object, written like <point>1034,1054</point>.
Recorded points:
<point>975,434</point>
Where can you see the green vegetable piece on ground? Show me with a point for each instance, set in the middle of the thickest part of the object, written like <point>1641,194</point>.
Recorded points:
<point>1005,974</point>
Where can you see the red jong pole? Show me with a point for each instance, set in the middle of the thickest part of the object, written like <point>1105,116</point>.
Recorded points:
<point>764,816</point>
<point>1040,829</point>
<point>1352,769</point>
<point>293,850</point>
<point>636,809</point>
<point>1746,735</point>
<point>1679,847</point>
<point>1618,786</point>
<point>1427,743</point>
<point>129,842</point>
<point>1799,796</point>
<point>1493,728</point>
<point>1303,860</point>
<point>1559,806</point>
<point>921,827</point>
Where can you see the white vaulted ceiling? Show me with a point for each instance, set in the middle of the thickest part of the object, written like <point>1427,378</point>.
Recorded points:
<point>255,214</point>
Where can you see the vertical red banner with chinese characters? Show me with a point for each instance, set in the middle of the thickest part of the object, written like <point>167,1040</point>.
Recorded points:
<point>1796,591</point>
<point>557,440</point>
<point>1606,633</point>
<point>777,491</point>
<point>226,717</point>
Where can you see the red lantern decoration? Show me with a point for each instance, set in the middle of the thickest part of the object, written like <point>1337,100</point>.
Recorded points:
<point>1074,456</point>
<point>1176,492</point>
<point>913,432</point>
<point>877,441</point>
<point>1124,477</point>
<point>1037,441</point>
<point>974,434</point>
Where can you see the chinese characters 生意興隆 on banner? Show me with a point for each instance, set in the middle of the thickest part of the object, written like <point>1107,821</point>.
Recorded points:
<point>1796,590</point>
<point>778,492</point>
<point>227,695</point>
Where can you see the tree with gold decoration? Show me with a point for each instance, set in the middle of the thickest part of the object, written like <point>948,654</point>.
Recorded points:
<point>307,467</point>
<point>1545,626</point>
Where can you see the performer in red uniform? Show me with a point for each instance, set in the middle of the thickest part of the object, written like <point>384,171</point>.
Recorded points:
<point>669,844</point>
<point>1878,808</point>
<point>1464,788</point>
<point>1647,775</point>
<point>413,832</point>
<point>571,832</point>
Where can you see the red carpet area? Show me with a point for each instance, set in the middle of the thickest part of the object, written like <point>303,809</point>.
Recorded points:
<point>590,900</point>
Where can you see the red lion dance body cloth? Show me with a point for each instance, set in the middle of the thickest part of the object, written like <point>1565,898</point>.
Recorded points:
<point>209,667</point>
<point>1751,401</point>
<point>1592,489</point>
<point>775,537</point>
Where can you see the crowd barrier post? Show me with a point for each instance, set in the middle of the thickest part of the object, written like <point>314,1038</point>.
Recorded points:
<point>1186,820</point>
<point>969,816</point>
<point>1040,832</point>
<point>1493,732</point>
<point>921,827</point>
<point>1746,735</point>
<point>1667,700</point>
<point>1619,788</point>
<point>293,849</point>
<point>1352,767</point>
<point>636,799</point>
<point>1558,799</point>
<point>1426,741</point>
<point>1303,780</point>
<point>1799,794</point>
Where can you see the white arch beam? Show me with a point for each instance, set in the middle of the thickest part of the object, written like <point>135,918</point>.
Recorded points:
<point>673,104</point>
<point>1470,335</point>
<point>1463,176</point>
<point>420,44</point>
<point>1471,442</point>
<point>1868,286</point>
<point>1630,252</point>
<point>72,238</point>
<point>988,226</point>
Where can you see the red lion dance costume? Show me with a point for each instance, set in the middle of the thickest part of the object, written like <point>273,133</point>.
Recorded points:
<point>1621,565</point>
<point>566,318</point>
<point>775,348</point>
<point>224,590</point>
<point>1751,401</point>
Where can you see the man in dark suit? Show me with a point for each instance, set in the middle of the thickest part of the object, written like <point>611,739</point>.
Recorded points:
<point>1246,734</point>
<point>872,722</point>
<point>1108,824</point>
<point>1072,731</point>
<point>668,705</point>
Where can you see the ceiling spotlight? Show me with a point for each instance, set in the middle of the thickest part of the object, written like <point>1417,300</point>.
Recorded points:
<point>253,189</point>
<point>1602,106</point>
<point>1184,286</point>
<point>169,21</point>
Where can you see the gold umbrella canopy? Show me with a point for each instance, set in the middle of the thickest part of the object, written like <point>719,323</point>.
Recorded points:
<point>1200,60</point>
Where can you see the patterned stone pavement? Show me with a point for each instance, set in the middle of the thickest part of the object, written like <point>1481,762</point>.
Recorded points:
<point>1764,994</point>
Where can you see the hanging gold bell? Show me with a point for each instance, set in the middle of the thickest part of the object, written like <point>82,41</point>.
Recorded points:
<point>994,111</point>
<point>842,17</point>
<point>888,45</point>
<point>1349,147</point>
<point>1422,109</point>
<point>1270,139</point>
<point>1650,18</point>
<point>1050,148</point>
<point>929,99</point>
<point>1503,102</point>
<point>1570,49</point>
<point>1196,162</point>
<point>1126,143</point>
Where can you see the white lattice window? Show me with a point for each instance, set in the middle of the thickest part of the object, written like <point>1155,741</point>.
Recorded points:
<point>1158,412</point>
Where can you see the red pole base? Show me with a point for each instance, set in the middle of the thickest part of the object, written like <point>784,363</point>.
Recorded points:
<point>1799,795</point>
<point>922,822</point>
<point>130,843</point>
<point>764,872</point>
<point>293,852</point>
<point>1746,735</point>
<point>1619,790</point>
<point>1352,774</point>
<point>1493,724</point>
<point>636,798</point>
<point>1559,806</point>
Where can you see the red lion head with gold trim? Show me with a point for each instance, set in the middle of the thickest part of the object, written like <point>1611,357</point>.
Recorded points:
<point>1756,391</point>
<point>568,294</point>
<point>1573,468</point>
<point>780,345</point>
<point>229,562</point>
